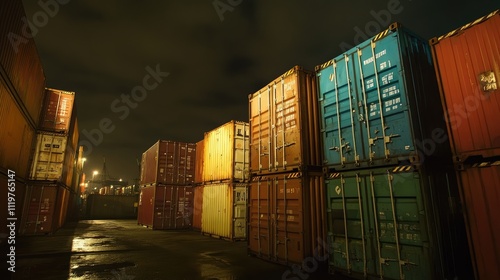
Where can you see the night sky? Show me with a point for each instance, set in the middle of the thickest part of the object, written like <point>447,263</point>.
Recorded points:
<point>206,56</point>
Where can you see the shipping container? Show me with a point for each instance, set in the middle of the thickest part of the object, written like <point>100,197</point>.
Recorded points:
<point>16,135</point>
<point>199,162</point>
<point>12,192</point>
<point>284,124</point>
<point>166,207</point>
<point>197,207</point>
<point>380,105</point>
<point>21,67</point>
<point>57,110</point>
<point>224,210</point>
<point>111,206</point>
<point>44,208</point>
<point>467,65</point>
<point>53,159</point>
<point>226,153</point>
<point>396,223</point>
<point>287,222</point>
<point>481,195</point>
<point>169,162</point>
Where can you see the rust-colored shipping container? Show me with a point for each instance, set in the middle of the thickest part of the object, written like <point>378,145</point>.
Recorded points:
<point>197,207</point>
<point>166,207</point>
<point>224,210</point>
<point>57,110</point>
<point>44,209</point>
<point>21,67</point>
<point>226,153</point>
<point>481,195</point>
<point>284,124</point>
<point>16,134</point>
<point>467,65</point>
<point>9,182</point>
<point>287,217</point>
<point>169,162</point>
<point>199,162</point>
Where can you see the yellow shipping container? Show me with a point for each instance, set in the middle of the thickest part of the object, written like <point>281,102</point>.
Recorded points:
<point>226,153</point>
<point>224,210</point>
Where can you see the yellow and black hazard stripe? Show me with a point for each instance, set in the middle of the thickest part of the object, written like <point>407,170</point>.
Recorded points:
<point>333,175</point>
<point>291,71</point>
<point>402,168</point>
<point>468,25</point>
<point>294,175</point>
<point>326,64</point>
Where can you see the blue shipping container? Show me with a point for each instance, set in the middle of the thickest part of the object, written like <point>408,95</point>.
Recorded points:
<point>380,104</point>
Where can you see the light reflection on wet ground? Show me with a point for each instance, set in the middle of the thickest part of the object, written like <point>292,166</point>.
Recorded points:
<point>124,250</point>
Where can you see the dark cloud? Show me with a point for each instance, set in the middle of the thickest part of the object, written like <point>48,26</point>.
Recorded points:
<point>100,50</point>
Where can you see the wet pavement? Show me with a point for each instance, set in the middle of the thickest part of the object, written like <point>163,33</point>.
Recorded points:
<point>120,249</point>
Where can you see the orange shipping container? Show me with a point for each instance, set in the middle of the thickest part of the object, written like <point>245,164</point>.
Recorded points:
<point>468,68</point>
<point>284,124</point>
<point>199,162</point>
<point>287,217</point>
<point>197,207</point>
<point>57,110</point>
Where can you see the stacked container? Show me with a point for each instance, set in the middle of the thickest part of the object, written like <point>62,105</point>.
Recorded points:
<point>223,187</point>
<point>467,66</point>
<point>20,104</point>
<point>167,176</point>
<point>51,182</point>
<point>286,197</point>
<point>392,198</point>
<point>198,186</point>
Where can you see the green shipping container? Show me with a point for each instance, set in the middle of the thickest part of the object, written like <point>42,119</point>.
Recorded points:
<point>395,223</point>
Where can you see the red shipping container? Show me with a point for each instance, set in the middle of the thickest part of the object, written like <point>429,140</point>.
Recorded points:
<point>169,162</point>
<point>57,110</point>
<point>166,207</point>
<point>468,68</point>
<point>467,64</point>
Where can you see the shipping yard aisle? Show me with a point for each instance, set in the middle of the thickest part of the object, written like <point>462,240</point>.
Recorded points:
<point>120,249</point>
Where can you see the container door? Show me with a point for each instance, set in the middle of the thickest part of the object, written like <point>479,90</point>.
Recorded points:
<point>351,245</point>
<point>259,239</point>
<point>39,208</point>
<point>197,207</point>
<point>286,123</point>
<point>260,120</point>
<point>377,225</point>
<point>241,152</point>
<point>287,219</point>
<point>387,127</point>
<point>145,209</point>
<point>341,114</point>
<point>164,211</point>
<point>240,211</point>
<point>184,215</point>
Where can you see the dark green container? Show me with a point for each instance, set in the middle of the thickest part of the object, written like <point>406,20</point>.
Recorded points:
<point>395,223</point>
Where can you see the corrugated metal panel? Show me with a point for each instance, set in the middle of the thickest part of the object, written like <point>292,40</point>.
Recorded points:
<point>287,217</point>
<point>224,210</point>
<point>57,110</point>
<point>468,68</point>
<point>111,206</point>
<point>396,223</point>
<point>481,195</point>
<point>226,153</point>
<point>145,207</point>
<point>372,102</point>
<point>284,124</point>
<point>44,208</point>
<point>169,162</point>
<point>199,162</point>
<point>197,207</point>
<point>166,207</point>
<point>20,63</point>
<point>16,135</point>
